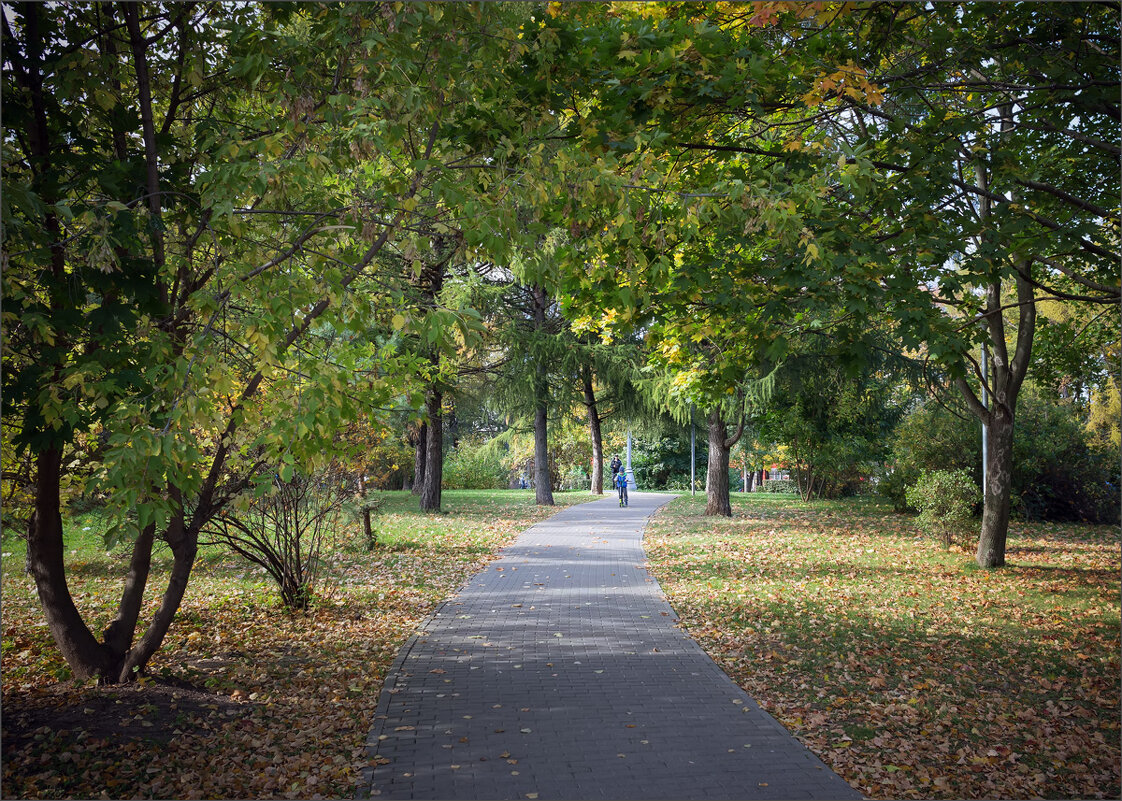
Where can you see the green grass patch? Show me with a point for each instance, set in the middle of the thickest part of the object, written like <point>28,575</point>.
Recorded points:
<point>909,670</point>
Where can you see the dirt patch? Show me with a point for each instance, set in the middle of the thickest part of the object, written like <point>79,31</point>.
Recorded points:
<point>156,710</point>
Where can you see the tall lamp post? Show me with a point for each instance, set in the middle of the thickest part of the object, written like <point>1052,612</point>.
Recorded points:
<point>985,433</point>
<point>630,473</point>
<point>693,456</point>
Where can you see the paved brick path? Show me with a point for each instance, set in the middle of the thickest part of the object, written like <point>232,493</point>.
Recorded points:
<point>558,673</point>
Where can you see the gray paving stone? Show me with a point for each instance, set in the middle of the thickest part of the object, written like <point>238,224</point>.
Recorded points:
<point>558,671</point>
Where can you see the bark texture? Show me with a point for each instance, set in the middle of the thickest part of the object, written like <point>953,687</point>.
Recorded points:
<point>999,483</point>
<point>717,501</point>
<point>434,452</point>
<point>543,482</point>
<point>594,431</point>
<point>419,438</point>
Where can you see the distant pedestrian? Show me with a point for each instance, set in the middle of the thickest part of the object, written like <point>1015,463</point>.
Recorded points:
<point>617,465</point>
<point>620,481</point>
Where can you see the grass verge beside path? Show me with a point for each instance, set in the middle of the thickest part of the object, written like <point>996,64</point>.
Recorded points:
<point>909,671</point>
<point>244,700</point>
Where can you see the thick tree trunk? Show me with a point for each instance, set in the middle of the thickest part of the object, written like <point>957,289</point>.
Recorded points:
<point>999,486</point>
<point>717,501</point>
<point>543,485</point>
<point>419,438</point>
<point>77,643</point>
<point>594,432</point>
<point>434,452</point>
<point>184,542</point>
<point>115,659</point>
<point>717,479</point>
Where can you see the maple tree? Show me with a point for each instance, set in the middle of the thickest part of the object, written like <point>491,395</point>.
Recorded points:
<point>198,294</point>
<point>229,230</point>
<point>979,202</point>
<point>883,158</point>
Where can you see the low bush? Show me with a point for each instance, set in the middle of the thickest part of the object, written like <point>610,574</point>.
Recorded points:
<point>286,531</point>
<point>778,485</point>
<point>1058,474</point>
<point>945,499</point>
<point>473,466</point>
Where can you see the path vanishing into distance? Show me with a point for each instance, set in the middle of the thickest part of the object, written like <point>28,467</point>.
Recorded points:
<point>558,673</point>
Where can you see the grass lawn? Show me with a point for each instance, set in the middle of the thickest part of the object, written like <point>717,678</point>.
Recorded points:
<point>243,700</point>
<point>907,669</point>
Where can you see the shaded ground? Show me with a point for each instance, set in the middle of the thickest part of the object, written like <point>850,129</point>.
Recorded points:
<point>156,711</point>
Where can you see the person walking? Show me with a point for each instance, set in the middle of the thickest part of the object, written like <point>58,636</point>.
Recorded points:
<point>616,466</point>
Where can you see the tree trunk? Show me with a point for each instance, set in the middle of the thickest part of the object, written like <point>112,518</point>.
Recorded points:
<point>78,645</point>
<point>808,487</point>
<point>717,479</point>
<point>419,438</point>
<point>999,485</point>
<point>184,542</point>
<point>543,485</point>
<point>115,659</point>
<point>1004,385</point>
<point>434,452</point>
<point>594,431</point>
<point>148,126</point>
<point>118,635</point>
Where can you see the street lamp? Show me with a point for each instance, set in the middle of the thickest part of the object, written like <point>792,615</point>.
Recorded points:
<point>630,473</point>
<point>985,433</point>
<point>693,456</point>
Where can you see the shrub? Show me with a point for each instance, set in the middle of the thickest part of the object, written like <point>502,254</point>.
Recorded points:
<point>930,438</point>
<point>576,478</point>
<point>473,466</point>
<point>682,484</point>
<point>1057,473</point>
<point>945,499</point>
<point>285,531</point>
<point>779,485</point>
<point>664,463</point>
